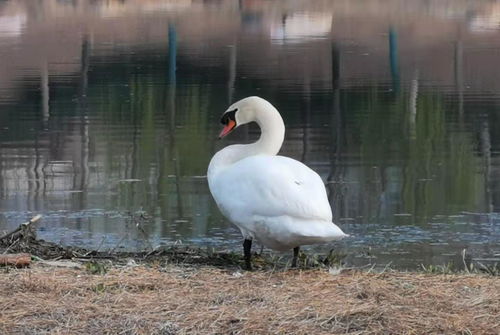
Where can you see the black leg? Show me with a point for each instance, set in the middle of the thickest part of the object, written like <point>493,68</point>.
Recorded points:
<point>247,246</point>
<point>295,256</point>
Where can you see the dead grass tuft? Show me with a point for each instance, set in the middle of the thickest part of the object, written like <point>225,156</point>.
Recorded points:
<point>205,300</point>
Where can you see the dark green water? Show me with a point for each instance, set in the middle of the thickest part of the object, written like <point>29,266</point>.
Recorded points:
<point>109,117</point>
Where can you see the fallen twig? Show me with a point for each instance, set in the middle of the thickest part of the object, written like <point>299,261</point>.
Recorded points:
<point>22,226</point>
<point>18,260</point>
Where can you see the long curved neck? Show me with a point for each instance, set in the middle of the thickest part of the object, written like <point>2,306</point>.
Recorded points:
<point>270,141</point>
<point>272,132</point>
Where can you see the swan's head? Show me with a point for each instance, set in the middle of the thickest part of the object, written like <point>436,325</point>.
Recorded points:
<point>242,112</point>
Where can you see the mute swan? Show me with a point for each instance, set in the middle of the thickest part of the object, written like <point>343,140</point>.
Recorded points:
<point>275,199</point>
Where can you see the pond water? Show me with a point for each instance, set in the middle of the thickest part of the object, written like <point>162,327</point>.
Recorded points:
<point>109,117</point>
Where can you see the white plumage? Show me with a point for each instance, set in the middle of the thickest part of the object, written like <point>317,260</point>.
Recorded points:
<point>275,199</point>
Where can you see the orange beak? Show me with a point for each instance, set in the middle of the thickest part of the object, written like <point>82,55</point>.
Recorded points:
<point>227,128</point>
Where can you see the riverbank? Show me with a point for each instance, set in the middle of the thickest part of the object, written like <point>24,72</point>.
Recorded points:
<point>185,299</point>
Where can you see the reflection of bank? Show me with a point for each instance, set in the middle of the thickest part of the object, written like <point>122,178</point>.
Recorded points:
<point>279,23</point>
<point>12,26</point>
<point>485,20</point>
<point>300,27</point>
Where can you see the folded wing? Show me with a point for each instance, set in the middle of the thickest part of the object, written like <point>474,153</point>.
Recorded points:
<point>271,186</point>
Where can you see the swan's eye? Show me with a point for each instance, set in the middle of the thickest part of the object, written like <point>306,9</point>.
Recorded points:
<point>229,115</point>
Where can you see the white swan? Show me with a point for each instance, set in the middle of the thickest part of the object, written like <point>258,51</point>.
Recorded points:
<point>275,199</point>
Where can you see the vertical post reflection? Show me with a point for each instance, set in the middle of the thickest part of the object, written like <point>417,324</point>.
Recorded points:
<point>306,115</point>
<point>84,124</point>
<point>41,181</point>
<point>172,85</point>
<point>459,77</point>
<point>172,54</point>
<point>486,153</point>
<point>81,170</point>
<point>44,77</point>
<point>38,174</point>
<point>335,189</point>
<point>393,58</point>
<point>233,51</point>
<point>412,106</point>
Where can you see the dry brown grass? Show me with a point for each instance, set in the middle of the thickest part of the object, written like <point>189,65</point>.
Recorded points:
<point>206,300</point>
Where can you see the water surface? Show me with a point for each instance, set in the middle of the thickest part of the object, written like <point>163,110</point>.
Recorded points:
<point>109,116</point>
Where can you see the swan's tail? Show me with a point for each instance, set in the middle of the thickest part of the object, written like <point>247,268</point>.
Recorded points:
<point>322,231</point>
